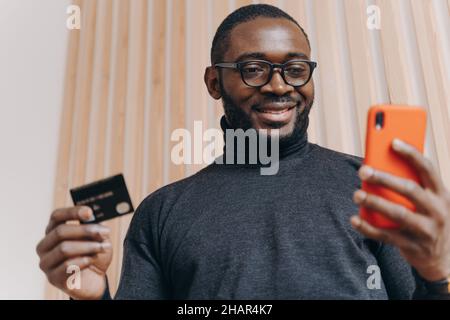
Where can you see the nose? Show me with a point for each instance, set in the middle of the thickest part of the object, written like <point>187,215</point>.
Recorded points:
<point>277,85</point>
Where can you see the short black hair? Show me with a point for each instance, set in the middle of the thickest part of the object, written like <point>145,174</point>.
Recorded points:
<point>241,15</point>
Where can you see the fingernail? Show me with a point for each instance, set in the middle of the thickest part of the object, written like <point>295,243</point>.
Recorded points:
<point>359,196</point>
<point>103,231</point>
<point>365,172</point>
<point>356,221</point>
<point>105,245</point>
<point>398,144</point>
<point>86,214</point>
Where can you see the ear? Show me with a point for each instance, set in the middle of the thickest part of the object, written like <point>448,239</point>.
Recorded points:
<point>212,82</point>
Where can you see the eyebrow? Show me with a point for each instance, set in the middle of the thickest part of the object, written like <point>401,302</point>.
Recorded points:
<point>262,56</point>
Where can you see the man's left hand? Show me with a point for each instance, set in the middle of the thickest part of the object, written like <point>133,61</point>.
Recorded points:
<point>423,237</point>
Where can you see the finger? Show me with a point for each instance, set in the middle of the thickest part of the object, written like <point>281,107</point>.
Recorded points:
<point>71,249</point>
<point>66,232</point>
<point>424,167</point>
<point>60,216</point>
<point>392,237</point>
<point>59,275</point>
<point>416,225</point>
<point>408,188</point>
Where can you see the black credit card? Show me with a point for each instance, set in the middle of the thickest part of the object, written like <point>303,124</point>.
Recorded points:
<point>108,198</point>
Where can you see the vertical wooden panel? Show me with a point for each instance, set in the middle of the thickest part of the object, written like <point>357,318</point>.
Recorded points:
<point>440,20</point>
<point>117,138</point>
<point>362,66</point>
<point>439,125</point>
<point>134,142</point>
<point>393,53</point>
<point>441,25</point>
<point>100,94</point>
<point>221,9</point>
<point>97,153</point>
<point>177,77</point>
<point>157,99</point>
<point>381,92</point>
<point>415,73</point>
<point>242,3</point>
<point>349,112</point>
<point>331,74</point>
<point>317,129</point>
<point>297,9</point>
<point>275,3</point>
<point>197,47</point>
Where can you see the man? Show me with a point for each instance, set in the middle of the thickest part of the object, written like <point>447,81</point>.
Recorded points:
<point>229,232</point>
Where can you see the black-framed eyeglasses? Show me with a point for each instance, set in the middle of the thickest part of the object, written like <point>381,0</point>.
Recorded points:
<point>258,73</point>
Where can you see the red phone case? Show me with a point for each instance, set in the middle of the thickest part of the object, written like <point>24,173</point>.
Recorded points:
<point>402,122</point>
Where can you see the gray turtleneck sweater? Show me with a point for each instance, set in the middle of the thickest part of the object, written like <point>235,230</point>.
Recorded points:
<point>228,232</point>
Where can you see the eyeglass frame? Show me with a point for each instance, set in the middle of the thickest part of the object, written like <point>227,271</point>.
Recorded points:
<point>238,65</point>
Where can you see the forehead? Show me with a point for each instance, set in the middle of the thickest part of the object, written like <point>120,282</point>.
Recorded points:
<point>275,38</point>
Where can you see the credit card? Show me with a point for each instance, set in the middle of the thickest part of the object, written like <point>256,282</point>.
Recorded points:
<point>108,198</point>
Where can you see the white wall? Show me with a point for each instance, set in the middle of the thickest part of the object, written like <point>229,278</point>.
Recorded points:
<point>33,39</point>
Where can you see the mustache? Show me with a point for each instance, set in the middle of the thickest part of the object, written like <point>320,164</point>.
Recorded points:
<point>277,99</point>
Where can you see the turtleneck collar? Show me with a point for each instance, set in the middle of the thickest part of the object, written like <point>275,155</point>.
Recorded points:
<point>291,148</point>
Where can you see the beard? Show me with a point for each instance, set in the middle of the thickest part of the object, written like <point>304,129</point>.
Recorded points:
<point>238,119</point>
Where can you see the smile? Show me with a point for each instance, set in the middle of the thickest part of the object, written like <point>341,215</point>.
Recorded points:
<point>276,111</point>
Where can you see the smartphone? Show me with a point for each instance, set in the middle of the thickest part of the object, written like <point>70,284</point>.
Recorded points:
<point>384,124</point>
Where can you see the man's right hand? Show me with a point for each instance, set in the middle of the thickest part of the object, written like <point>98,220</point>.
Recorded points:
<point>86,246</point>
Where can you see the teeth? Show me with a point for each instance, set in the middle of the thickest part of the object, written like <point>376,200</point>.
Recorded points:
<point>276,112</point>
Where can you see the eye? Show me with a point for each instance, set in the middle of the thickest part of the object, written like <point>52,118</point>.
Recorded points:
<point>296,70</point>
<point>253,69</point>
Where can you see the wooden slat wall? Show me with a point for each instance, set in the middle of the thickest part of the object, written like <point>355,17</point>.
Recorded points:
<point>156,101</point>
<point>135,73</point>
<point>435,90</point>
<point>177,73</point>
<point>116,143</point>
